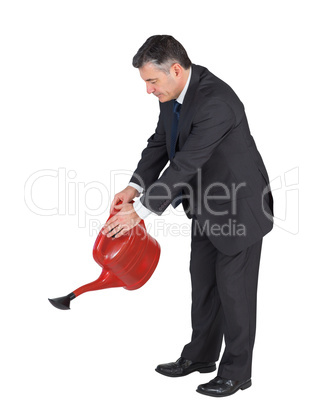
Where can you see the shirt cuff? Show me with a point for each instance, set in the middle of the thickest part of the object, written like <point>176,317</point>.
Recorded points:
<point>136,186</point>
<point>140,209</point>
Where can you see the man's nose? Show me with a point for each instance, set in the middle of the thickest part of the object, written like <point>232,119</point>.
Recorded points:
<point>149,88</point>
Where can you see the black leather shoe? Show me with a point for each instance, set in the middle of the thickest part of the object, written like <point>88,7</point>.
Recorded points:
<point>184,367</point>
<point>222,387</point>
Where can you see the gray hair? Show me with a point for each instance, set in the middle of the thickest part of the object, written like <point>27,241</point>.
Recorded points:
<point>162,51</point>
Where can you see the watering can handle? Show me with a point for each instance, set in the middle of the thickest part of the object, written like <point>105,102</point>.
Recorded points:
<point>115,211</point>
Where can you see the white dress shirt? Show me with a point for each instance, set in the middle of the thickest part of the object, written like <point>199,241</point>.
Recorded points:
<point>139,208</point>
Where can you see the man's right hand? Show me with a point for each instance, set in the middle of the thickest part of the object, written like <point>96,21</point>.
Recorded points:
<point>124,196</point>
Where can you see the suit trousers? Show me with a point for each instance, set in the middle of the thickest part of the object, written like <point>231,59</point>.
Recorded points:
<point>224,293</point>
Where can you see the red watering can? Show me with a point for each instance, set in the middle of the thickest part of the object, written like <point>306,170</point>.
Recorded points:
<point>127,261</point>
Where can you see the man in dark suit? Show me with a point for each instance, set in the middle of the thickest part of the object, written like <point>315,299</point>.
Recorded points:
<point>218,174</point>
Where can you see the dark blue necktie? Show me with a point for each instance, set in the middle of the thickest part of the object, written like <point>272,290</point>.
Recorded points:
<point>174,133</point>
<point>174,129</point>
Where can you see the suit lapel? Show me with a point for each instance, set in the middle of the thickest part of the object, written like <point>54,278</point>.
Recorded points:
<point>188,106</point>
<point>187,109</point>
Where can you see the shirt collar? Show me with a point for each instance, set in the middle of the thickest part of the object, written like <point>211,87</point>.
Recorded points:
<point>184,91</point>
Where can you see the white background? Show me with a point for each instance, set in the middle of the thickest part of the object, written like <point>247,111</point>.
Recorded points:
<point>71,102</point>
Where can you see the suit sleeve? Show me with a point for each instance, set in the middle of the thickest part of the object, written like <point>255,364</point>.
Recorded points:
<point>153,159</point>
<point>213,121</point>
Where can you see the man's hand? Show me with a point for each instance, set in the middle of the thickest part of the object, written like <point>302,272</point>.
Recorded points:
<point>121,222</point>
<point>124,196</point>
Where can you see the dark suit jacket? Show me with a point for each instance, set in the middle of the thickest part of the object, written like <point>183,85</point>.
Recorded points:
<point>217,166</point>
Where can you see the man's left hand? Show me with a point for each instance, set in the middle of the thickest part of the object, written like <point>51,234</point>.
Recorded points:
<point>121,222</point>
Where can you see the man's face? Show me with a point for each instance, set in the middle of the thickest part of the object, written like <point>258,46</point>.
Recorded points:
<point>164,86</point>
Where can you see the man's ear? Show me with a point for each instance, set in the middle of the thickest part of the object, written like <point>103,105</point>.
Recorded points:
<point>177,68</point>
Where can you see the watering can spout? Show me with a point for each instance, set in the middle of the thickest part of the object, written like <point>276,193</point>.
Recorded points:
<point>62,302</point>
<point>105,280</point>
